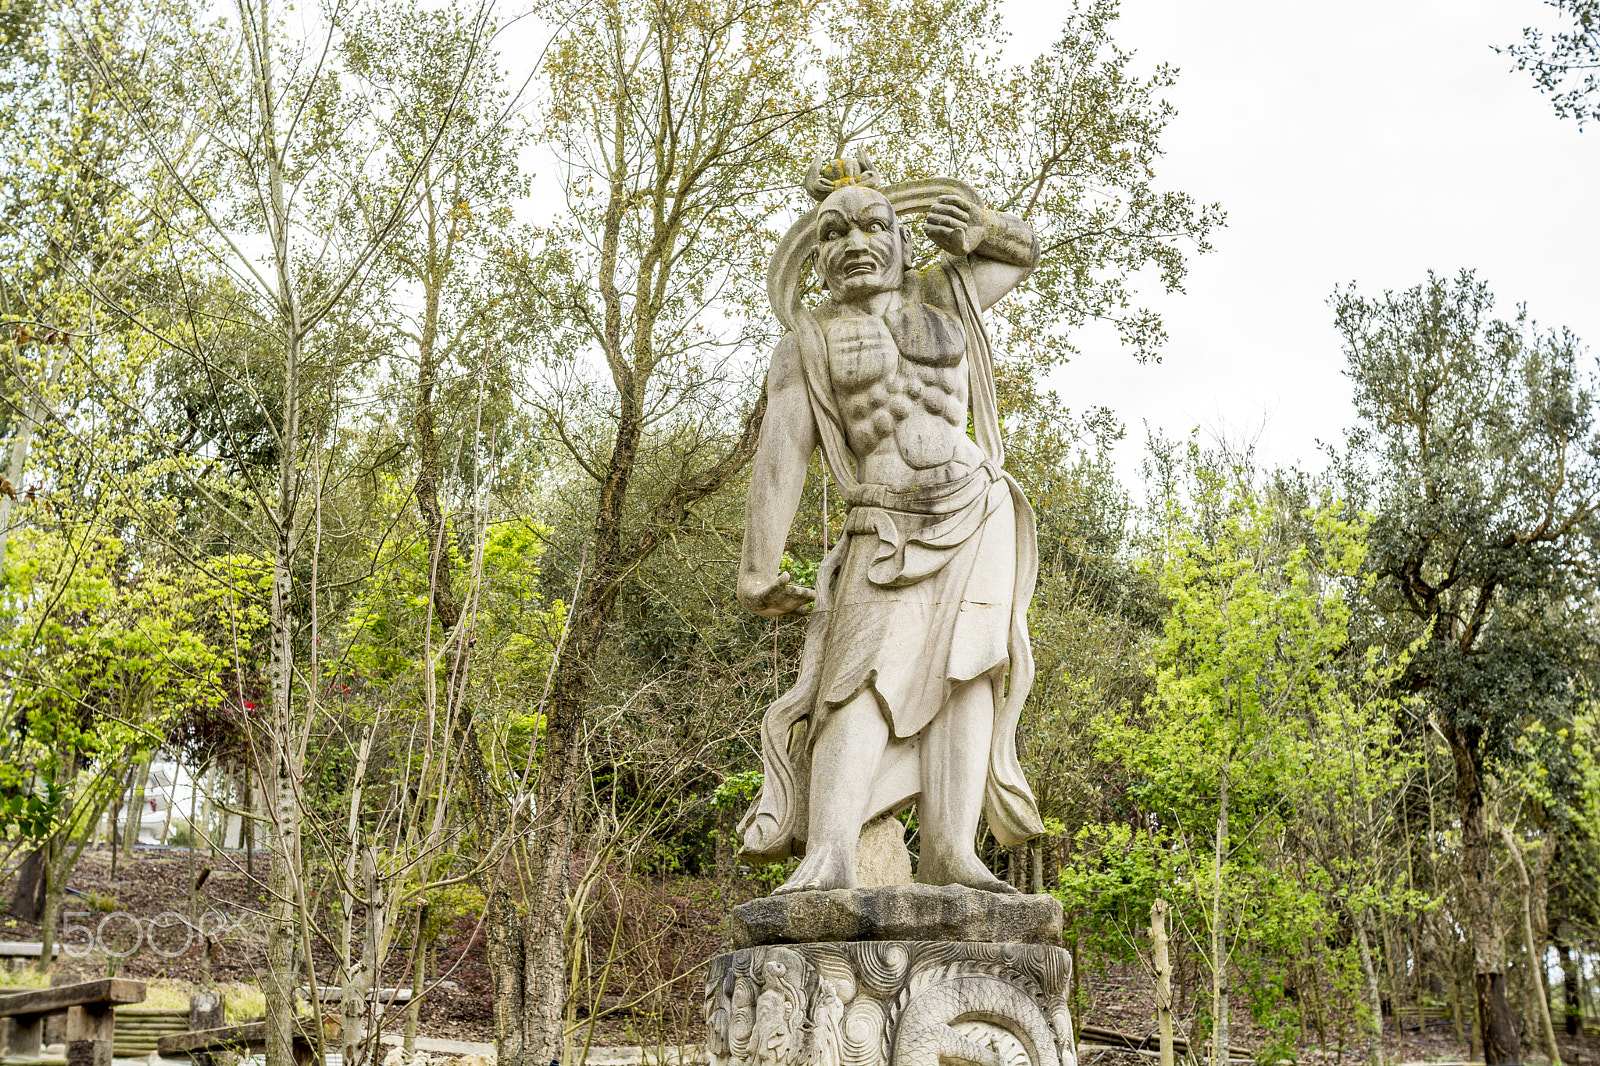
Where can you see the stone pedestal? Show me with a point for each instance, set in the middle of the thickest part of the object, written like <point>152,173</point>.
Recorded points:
<point>968,977</point>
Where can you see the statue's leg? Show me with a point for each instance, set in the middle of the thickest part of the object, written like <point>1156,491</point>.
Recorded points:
<point>955,768</point>
<point>844,764</point>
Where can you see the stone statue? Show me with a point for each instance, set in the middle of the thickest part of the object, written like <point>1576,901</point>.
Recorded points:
<point>916,658</point>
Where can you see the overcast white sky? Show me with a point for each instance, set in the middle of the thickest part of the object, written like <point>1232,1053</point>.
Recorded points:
<point>1362,141</point>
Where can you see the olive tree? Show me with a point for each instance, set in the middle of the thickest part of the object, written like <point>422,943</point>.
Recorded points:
<point>1479,458</point>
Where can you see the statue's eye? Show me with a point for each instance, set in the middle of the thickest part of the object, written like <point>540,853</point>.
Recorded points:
<point>877,226</point>
<point>830,234</point>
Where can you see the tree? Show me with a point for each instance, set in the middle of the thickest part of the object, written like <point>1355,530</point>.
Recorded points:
<point>263,315</point>
<point>1479,460</point>
<point>670,119</point>
<point>100,656</point>
<point>1566,64</point>
<point>76,230</point>
<point>1253,716</point>
<point>1071,142</point>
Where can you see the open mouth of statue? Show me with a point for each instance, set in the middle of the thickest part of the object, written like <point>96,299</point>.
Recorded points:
<point>854,267</point>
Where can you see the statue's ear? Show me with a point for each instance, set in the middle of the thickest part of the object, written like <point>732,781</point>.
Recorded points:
<point>908,254</point>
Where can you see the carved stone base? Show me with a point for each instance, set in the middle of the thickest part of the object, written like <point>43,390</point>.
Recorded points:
<point>890,1003</point>
<point>897,912</point>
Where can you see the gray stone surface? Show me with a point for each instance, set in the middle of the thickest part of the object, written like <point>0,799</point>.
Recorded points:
<point>881,855</point>
<point>646,1055</point>
<point>436,1046</point>
<point>904,912</point>
<point>898,1003</point>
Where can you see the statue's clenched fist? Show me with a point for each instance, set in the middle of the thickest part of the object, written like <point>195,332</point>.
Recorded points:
<point>956,225</point>
<point>774,598</point>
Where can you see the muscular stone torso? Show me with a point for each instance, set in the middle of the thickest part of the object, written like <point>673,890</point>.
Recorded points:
<point>901,384</point>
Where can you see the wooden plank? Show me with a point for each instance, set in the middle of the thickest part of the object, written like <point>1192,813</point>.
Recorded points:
<point>26,949</point>
<point>108,991</point>
<point>90,1027</point>
<point>1109,1037</point>
<point>138,1028</point>
<point>26,1036</point>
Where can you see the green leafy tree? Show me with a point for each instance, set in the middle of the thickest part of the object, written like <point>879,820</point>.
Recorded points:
<point>1479,460</point>
<point>101,658</point>
<point>283,196</point>
<point>1251,736</point>
<point>1071,142</point>
<point>77,236</point>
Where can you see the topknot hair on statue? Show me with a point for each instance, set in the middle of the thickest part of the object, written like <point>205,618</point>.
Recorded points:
<point>826,175</point>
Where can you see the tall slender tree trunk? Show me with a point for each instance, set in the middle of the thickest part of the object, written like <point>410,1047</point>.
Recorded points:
<point>1163,968</point>
<point>1369,973</point>
<point>504,915</point>
<point>277,984</point>
<point>55,891</point>
<point>1219,956</point>
<point>544,984</point>
<point>284,873</point>
<point>374,948</point>
<point>1538,991</point>
<point>283,878</point>
<point>1496,1029</point>
<point>545,928</point>
<point>135,822</point>
<point>356,979</point>
<point>1571,1002</point>
<point>419,977</point>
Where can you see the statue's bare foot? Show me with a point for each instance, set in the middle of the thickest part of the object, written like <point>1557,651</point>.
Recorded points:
<point>968,871</point>
<point>824,867</point>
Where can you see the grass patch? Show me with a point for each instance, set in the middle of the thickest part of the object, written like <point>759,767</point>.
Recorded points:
<point>241,1001</point>
<point>23,978</point>
<point>100,902</point>
<point>167,995</point>
<point>244,1001</point>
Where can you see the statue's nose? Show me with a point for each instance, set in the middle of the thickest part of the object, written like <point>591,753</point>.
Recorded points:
<point>856,238</point>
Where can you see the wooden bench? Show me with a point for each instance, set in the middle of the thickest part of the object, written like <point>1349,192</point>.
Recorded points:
<point>91,1017</point>
<point>203,1044</point>
<point>17,952</point>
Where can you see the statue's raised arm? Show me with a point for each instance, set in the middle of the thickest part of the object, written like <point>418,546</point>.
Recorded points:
<point>917,659</point>
<point>1002,249</point>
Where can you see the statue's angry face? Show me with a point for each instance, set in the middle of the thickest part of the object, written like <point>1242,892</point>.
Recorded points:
<point>860,249</point>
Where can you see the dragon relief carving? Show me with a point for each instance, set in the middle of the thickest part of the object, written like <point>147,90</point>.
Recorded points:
<point>890,1004</point>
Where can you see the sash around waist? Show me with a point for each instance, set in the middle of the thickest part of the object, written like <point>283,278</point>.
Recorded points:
<point>945,498</point>
<point>919,529</point>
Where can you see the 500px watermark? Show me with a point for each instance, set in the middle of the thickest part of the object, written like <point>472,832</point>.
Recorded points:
<point>120,934</point>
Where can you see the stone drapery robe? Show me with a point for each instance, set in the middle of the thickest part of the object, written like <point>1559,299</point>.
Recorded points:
<point>907,570</point>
